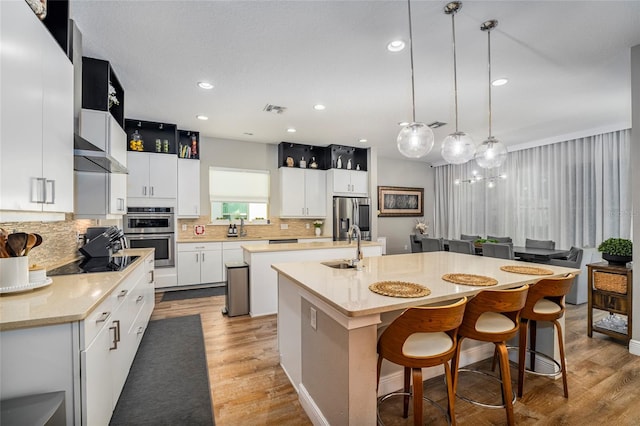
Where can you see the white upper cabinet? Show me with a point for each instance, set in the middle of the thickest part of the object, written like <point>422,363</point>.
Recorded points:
<point>189,184</point>
<point>349,182</point>
<point>36,139</point>
<point>152,175</point>
<point>101,195</point>
<point>303,192</point>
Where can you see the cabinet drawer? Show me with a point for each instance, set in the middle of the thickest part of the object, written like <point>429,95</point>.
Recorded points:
<point>199,246</point>
<point>230,245</point>
<point>96,320</point>
<point>609,302</point>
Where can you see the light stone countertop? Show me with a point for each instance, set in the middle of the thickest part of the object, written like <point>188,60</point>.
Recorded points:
<point>207,239</point>
<point>320,245</point>
<point>347,290</point>
<point>69,298</point>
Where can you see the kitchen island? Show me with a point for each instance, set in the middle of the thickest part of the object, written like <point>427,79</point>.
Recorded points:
<point>263,280</point>
<point>328,322</point>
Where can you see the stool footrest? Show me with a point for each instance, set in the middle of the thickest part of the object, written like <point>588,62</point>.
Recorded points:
<point>482,404</point>
<point>424,398</point>
<point>542,355</point>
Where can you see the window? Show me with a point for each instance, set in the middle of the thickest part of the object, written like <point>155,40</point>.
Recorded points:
<point>238,194</point>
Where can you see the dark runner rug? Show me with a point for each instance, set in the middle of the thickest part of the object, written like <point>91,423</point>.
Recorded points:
<point>168,383</point>
<point>193,294</point>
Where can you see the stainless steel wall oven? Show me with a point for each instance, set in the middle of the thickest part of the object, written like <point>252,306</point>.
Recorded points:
<point>152,227</point>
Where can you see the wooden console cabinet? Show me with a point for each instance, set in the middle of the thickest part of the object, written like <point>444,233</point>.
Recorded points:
<point>610,300</point>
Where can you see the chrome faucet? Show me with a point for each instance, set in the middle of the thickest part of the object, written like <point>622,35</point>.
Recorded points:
<point>243,233</point>
<point>356,262</point>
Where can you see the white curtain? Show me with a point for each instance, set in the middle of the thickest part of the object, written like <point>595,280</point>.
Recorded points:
<point>576,192</point>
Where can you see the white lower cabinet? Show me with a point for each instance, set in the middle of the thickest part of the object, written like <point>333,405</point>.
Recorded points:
<point>106,358</point>
<point>199,263</point>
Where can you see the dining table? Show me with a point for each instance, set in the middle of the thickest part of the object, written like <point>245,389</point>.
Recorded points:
<point>538,255</point>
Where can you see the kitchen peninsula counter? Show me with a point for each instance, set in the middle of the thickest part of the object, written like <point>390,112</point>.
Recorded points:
<point>69,298</point>
<point>215,239</point>
<point>328,323</point>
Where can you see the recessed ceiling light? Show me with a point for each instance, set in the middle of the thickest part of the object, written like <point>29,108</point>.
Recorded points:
<point>291,130</point>
<point>248,133</point>
<point>396,46</point>
<point>205,85</point>
<point>202,117</point>
<point>499,82</point>
<point>319,107</point>
<point>363,141</point>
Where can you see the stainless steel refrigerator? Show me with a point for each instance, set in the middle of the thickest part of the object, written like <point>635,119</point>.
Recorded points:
<point>348,211</point>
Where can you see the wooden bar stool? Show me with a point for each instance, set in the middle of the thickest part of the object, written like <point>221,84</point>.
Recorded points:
<point>545,302</point>
<point>492,316</point>
<point>422,337</point>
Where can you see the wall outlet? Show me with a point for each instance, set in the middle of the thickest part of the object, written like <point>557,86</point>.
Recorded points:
<point>313,315</point>
<point>307,226</point>
<point>184,226</point>
<point>284,226</point>
<point>406,248</point>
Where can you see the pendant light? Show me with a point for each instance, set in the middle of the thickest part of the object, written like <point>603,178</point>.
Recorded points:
<point>415,140</point>
<point>458,147</point>
<point>491,153</point>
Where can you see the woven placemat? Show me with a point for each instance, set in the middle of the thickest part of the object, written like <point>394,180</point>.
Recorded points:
<point>399,289</point>
<point>470,279</point>
<point>527,270</point>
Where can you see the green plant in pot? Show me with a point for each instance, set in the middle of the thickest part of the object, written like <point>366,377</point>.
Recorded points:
<point>617,251</point>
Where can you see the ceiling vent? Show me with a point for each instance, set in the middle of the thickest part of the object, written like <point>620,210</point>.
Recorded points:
<point>274,109</point>
<point>436,124</point>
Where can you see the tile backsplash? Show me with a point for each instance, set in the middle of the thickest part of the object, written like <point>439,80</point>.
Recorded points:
<point>295,228</point>
<point>59,242</point>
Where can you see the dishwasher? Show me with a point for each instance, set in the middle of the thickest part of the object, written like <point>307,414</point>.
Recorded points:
<point>237,294</point>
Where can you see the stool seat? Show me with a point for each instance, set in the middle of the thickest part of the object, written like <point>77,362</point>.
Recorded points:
<point>421,345</point>
<point>494,322</point>
<point>546,306</point>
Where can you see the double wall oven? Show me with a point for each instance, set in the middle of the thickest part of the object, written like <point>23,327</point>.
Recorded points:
<point>152,227</point>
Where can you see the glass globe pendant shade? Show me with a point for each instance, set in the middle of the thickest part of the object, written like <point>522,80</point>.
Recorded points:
<point>491,153</point>
<point>458,148</point>
<point>415,140</point>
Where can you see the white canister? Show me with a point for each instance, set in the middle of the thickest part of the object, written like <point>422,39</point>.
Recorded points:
<point>14,271</point>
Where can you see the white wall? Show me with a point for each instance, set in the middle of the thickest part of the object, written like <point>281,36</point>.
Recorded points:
<point>634,345</point>
<point>392,172</point>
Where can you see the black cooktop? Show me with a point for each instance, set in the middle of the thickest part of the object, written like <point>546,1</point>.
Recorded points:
<point>94,264</point>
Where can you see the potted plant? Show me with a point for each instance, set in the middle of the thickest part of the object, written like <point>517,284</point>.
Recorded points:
<point>317,224</point>
<point>617,251</point>
<point>479,242</point>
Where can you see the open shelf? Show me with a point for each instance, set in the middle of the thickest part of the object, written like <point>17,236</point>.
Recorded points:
<point>152,134</point>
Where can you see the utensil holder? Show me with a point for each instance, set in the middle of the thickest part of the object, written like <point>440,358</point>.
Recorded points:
<point>14,271</point>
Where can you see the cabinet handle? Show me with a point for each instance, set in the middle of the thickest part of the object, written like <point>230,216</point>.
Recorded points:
<point>144,190</point>
<point>38,187</point>
<point>303,210</point>
<point>115,340</point>
<point>203,257</point>
<point>123,293</point>
<point>139,299</point>
<point>140,330</point>
<point>197,258</point>
<point>120,204</point>
<point>53,191</point>
<point>117,323</point>
<point>103,317</point>
<point>152,277</point>
<point>151,189</point>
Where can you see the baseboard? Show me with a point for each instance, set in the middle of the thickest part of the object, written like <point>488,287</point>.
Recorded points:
<point>393,382</point>
<point>310,407</point>
<point>634,347</point>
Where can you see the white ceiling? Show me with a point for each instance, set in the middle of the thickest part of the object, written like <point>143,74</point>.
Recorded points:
<point>567,63</point>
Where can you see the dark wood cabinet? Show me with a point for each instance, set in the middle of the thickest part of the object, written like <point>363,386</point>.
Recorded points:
<point>97,76</point>
<point>610,290</point>
<point>156,137</point>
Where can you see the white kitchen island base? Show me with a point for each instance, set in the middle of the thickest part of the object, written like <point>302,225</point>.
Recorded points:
<point>328,324</point>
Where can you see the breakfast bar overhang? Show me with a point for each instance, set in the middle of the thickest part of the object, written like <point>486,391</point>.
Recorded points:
<point>328,323</point>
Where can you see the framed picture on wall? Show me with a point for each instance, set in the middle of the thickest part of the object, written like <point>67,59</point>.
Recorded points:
<point>400,201</point>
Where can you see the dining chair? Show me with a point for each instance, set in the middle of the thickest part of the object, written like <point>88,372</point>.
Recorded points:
<point>416,242</point>
<point>500,239</point>
<point>541,244</point>
<point>422,337</point>
<point>470,237</point>
<point>545,302</point>
<point>502,251</point>
<point>578,292</point>
<point>432,244</point>
<point>492,316</point>
<point>462,246</point>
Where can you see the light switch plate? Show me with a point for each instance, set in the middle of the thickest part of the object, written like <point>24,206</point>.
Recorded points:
<point>284,226</point>
<point>313,315</point>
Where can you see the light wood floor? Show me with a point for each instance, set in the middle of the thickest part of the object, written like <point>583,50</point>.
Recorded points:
<point>249,387</point>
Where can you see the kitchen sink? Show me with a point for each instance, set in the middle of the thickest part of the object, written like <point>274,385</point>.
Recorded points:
<point>339,264</point>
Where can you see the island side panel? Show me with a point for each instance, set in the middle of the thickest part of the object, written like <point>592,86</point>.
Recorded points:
<point>289,330</point>
<point>338,368</point>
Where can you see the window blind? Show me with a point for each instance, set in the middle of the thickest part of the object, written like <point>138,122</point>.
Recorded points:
<point>238,185</point>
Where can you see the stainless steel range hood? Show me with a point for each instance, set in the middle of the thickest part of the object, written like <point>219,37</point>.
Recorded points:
<point>90,158</point>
